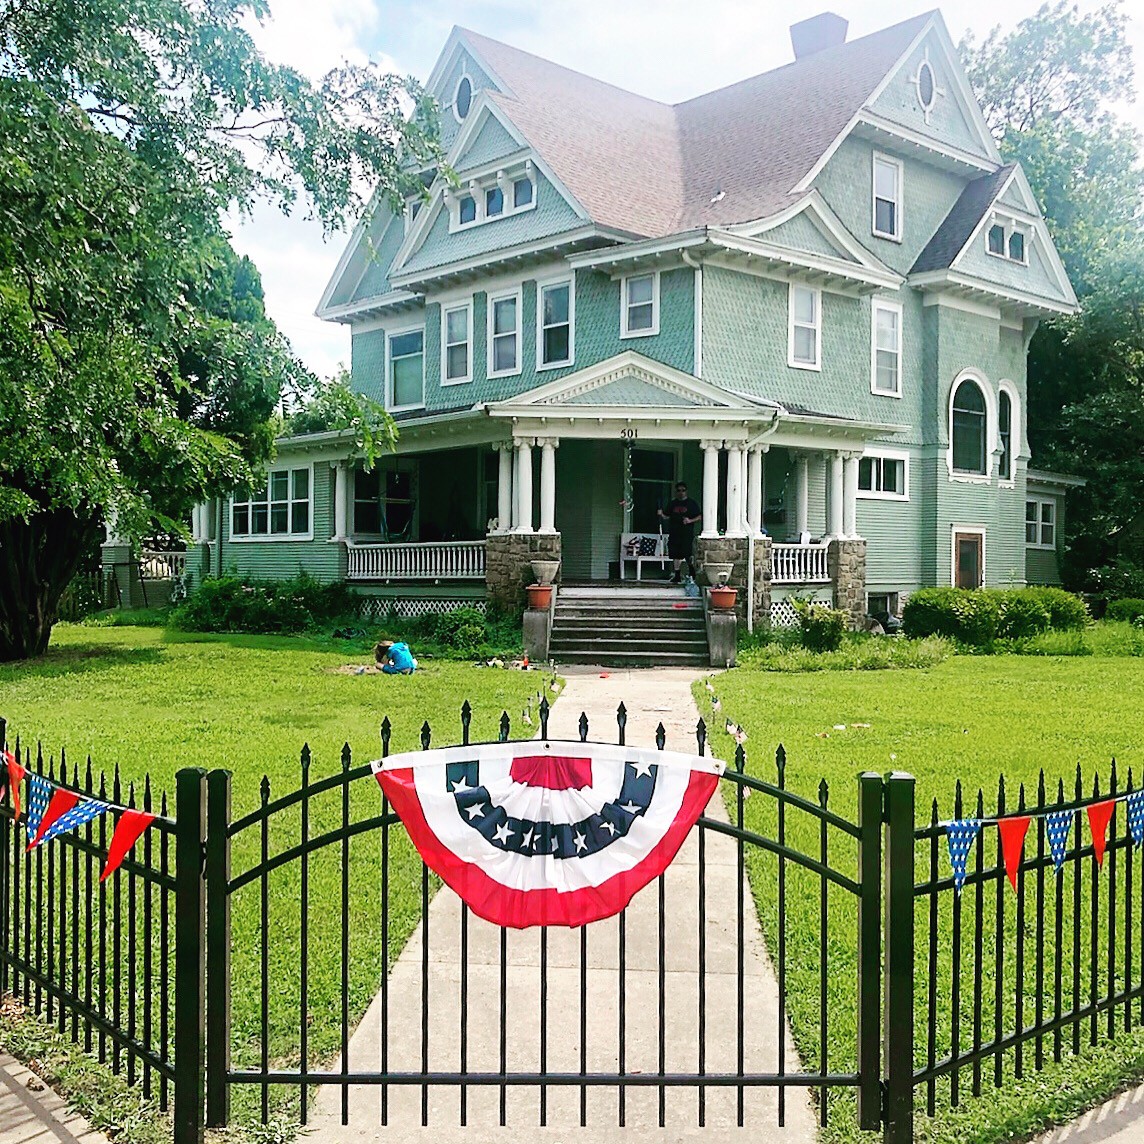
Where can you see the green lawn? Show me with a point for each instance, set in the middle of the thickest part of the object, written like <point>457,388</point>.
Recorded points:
<point>153,701</point>
<point>972,718</point>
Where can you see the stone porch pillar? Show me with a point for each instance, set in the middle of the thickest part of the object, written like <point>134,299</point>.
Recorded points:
<point>846,564</point>
<point>735,491</point>
<point>834,523</point>
<point>522,518</point>
<point>710,488</point>
<point>755,492</point>
<point>504,486</point>
<point>341,499</point>
<point>850,496</point>
<point>801,495</point>
<point>548,483</point>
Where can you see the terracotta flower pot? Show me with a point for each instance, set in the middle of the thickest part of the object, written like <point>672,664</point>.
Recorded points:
<point>723,598</point>
<point>539,595</point>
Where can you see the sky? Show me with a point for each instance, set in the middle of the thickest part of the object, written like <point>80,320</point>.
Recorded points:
<point>665,49</point>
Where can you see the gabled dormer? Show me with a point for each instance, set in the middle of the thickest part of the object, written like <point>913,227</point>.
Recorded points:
<point>456,81</point>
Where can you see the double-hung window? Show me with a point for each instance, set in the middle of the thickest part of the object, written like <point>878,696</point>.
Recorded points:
<point>406,360</point>
<point>278,508</point>
<point>887,204</point>
<point>554,324</point>
<point>1041,523</point>
<point>1005,435</point>
<point>639,306</point>
<point>504,334</point>
<point>884,477</point>
<point>457,344</point>
<point>804,343</point>
<point>886,348</point>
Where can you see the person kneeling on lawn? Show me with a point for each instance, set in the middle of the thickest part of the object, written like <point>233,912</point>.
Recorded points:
<point>395,658</point>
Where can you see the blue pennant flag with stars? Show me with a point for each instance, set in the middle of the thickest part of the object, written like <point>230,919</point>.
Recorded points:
<point>39,795</point>
<point>1057,826</point>
<point>1136,816</point>
<point>960,836</point>
<point>82,812</point>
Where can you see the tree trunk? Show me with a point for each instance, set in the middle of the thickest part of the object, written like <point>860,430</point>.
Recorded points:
<point>38,558</point>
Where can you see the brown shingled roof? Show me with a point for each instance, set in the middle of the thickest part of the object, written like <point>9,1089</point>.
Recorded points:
<point>652,169</point>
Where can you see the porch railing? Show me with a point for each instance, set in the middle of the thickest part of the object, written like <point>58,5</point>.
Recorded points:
<point>154,565</point>
<point>799,564</point>
<point>448,560</point>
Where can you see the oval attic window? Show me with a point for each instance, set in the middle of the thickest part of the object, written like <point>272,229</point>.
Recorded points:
<point>463,99</point>
<point>925,85</point>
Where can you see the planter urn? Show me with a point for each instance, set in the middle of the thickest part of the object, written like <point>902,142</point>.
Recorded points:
<point>539,595</point>
<point>723,598</point>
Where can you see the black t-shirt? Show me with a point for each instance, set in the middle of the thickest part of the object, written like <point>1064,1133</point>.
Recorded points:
<point>677,510</point>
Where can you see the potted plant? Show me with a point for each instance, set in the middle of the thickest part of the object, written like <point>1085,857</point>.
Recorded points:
<point>539,595</point>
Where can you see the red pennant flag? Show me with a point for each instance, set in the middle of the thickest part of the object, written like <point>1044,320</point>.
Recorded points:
<point>1099,816</point>
<point>16,775</point>
<point>62,802</point>
<point>1013,831</point>
<point>130,826</point>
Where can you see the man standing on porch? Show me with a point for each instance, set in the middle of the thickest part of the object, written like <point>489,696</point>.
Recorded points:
<point>682,516</point>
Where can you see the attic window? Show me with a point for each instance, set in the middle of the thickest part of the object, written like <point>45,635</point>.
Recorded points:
<point>522,192</point>
<point>494,202</point>
<point>1017,246</point>
<point>493,195</point>
<point>997,239</point>
<point>467,209</point>
<point>1006,240</point>
<point>463,98</point>
<point>925,85</point>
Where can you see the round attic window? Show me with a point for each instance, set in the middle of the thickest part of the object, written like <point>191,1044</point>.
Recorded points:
<point>926,86</point>
<point>463,98</point>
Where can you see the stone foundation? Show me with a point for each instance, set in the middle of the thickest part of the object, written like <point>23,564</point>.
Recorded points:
<point>733,550</point>
<point>507,571</point>
<point>846,563</point>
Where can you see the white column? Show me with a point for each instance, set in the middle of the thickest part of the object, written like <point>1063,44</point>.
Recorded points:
<point>801,495</point>
<point>850,496</point>
<point>744,491</point>
<point>341,499</point>
<point>834,515</point>
<point>196,524</point>
<point>710,488</point>
<point>735,490</point>
<point>548,484</point>
<point>210,510</point>
<point>523,515</point>
<point>504,488</point>
<point>755,491</point>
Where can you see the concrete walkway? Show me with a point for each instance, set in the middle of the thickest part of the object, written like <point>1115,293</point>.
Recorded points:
<point>1117,1121</point>
<point>651,696</point>
<point>31,1113</point>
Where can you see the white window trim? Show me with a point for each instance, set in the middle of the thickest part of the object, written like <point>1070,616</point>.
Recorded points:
<point>976,530</point>
<point>1009,388</point>
<point>389,336</point>
<point>490,301</point>
<point>456,90</point>
<point>1008,226</point>
<point>445,310</point>
<point>816,365</point>
<point>888,455</point>
<point>654,328</point>
<point>276,537</point>
<point>1039,501</point>
<point>541,286</point>
<point>982,383</point>
<point>896,236</point>
<point>478,187</point>
<point>896,308</point>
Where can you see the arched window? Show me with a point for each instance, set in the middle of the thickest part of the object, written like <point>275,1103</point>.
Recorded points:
<point>968,429</point>
<point>1005,433</point>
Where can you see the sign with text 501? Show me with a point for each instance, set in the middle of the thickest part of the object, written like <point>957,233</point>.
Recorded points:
<point>629,434</point>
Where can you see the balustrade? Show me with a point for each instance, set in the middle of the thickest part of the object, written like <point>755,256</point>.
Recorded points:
<point>799,564</point>
<point>448,560</point>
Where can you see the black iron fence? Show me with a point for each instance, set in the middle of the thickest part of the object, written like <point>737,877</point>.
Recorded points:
<point>954,991</point>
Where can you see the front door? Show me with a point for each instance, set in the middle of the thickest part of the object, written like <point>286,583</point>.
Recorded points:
<point>967,554</point>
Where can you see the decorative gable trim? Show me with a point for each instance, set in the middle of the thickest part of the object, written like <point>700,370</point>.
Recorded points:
<point>346,262</point>
<point>456,45</point>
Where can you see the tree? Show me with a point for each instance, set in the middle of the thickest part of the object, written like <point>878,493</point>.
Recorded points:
<point>135,375</point>
<point>333,406</point>
<point>1045,87</point>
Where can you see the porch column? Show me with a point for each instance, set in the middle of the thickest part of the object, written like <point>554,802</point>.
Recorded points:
<point>834,516</point>
<point>710,488</point>
<point>744,493</point>
<point>504,487</point>
<point>801,495</point>
<point>850,496</point>
<point>548,484</point>
<point>735,490</point>
<point>755,490</point>
<point>523,515</point>
<point>197,523</point>
<point>341,499</point>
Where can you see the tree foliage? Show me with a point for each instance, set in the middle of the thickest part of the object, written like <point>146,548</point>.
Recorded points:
<point>138,371</point>
<point>333,405</point>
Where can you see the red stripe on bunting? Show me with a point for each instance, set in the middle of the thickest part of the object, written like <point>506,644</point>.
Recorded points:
<point>62,802</point>
<point>1099,816</point>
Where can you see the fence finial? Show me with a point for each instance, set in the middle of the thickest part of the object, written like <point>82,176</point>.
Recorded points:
<point>426,735</point>
<point>583,727</point>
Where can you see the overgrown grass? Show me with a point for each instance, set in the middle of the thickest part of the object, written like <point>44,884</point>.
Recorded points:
<point>153,701</point>
<point>971,718</point>
<point>859,652</point>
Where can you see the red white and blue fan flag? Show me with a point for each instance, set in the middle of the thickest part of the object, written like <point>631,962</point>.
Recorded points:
<point>39,795</point>
<point>539,834</point>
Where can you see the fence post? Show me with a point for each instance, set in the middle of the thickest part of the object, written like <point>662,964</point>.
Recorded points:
<point>218,949</point>
<point>190,954</point>
<point>870,788</point>
<point>899,1008</point>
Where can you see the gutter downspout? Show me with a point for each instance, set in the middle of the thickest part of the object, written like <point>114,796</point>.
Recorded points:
<point>689,259</point>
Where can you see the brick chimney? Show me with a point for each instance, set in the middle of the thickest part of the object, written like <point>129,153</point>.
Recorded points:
<point>809,37</point>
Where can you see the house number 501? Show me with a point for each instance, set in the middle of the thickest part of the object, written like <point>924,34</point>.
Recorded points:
<point>629,434</point>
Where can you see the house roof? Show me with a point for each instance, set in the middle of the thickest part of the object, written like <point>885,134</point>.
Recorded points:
<point>652,169</point>
<point>950,238</point>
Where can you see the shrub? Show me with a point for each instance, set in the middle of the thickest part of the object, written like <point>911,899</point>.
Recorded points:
<point>1021,614</point>
<point>1067,612</point>
<point>461,630</point>
<point>1129,609</point>
<point>231,604</point>
<point>820,627</point>
<point>976,618</point>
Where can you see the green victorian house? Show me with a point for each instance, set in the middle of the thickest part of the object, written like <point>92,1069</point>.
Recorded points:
<point>808,295</point>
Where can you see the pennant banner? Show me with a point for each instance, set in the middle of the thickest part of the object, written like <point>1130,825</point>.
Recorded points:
<point>1057,826</point>
<point>130,826</point>
<point>16,775</point>
<point>1136,816</point>
<point>39,795</point>
<point>59,804</point>
<point>1099,816</point>
<point>1013,831</point>
<point>960,836</point>
<point>553,834</point>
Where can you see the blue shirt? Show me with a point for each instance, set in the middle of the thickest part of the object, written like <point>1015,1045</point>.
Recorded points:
<point>401,657</point>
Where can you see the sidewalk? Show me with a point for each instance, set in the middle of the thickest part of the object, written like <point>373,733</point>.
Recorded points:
<point>651,696</point>
<point>31,1113</point>
<point>1117,1121</point>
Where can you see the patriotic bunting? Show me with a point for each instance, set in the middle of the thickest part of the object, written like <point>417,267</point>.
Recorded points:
<point>39,795</point>
<point>128,829</point>
<point>960,836</point>
<point>83,812</point>
<point>60,803</point>
<point>16,775</point>
<point>1099,816</point>
<point>1013,831</point>
<point>1136,816</point>
<point>1057,826</point>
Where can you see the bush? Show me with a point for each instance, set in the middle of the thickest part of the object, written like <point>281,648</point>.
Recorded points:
<point>820,627</point>
<point>461,630</point>
<point>1067,612</point>
<point>1020,614</point>
<point>1129,609</point>
<point>231,604</point>
<point>976,618</point>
